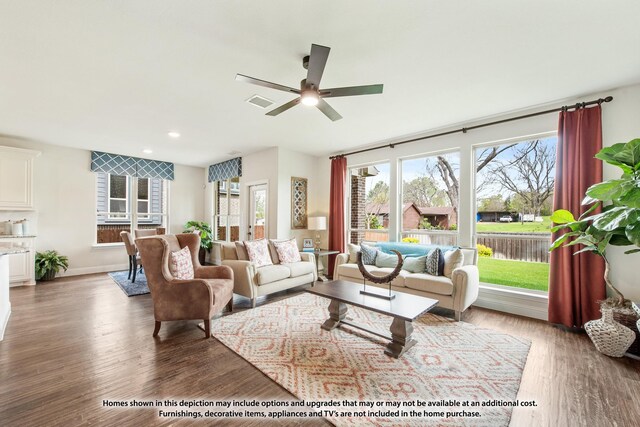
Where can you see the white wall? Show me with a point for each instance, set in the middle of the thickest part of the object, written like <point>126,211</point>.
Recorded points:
<point>260,167</point>
<point>65,217</point>
<point>620,124</point>
<point>295,164</point>
<point>275,166</point>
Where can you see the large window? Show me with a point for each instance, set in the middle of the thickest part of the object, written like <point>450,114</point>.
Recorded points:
<point>514,190</point>
<point>430,198</point>
<point>369,202</point>
<point>227,210</point>
<point>118,195</point>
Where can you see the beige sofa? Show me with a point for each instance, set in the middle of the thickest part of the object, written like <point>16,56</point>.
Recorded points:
<point>252,282</point>
<point>456,292</point>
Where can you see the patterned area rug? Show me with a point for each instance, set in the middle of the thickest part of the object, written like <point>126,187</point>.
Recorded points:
<point>129,288</point>
<point>452,360</point>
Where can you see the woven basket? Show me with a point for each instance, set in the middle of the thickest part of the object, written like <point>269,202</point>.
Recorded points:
<point>629,318</point>
<point>609,337</point>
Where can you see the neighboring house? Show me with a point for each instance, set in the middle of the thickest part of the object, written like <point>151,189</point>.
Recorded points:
<point>413,215</point>
<point>444,216</point>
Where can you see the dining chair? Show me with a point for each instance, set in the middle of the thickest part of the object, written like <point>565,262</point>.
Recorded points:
<point>132,252</point>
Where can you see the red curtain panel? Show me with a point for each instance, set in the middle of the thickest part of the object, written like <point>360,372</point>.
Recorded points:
<point>336,208</point>
<point>576,282</point>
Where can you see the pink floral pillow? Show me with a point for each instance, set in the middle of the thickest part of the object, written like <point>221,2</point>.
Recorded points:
<point>180,264</point>
<point>287,250</point>
<point>258,252</point>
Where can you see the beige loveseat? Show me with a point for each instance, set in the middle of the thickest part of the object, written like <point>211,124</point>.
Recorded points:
<point>252,282</point>
<point>456,290</point>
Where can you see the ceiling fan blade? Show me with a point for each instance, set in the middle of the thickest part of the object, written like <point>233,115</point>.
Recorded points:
<point>243,78</point>
<point>328,110</point>
<point>284,107</point>
<point>317,61</point>
<point>351,91</point>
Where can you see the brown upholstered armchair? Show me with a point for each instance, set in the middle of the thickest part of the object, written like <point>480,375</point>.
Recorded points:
<point>173,299</point>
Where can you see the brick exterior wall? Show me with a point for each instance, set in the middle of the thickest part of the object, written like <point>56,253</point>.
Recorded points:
<point>411,218</point>
<point>358,200</point>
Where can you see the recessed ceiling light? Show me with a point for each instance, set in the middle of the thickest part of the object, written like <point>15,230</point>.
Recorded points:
<point>173,134</point>
<point>147,151</point>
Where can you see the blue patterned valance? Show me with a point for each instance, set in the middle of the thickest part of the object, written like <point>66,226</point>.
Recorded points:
<point>116,164</point>
<point>225,170</point>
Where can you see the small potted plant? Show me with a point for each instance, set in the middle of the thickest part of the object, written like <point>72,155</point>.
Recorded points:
<point>206,237</point>
<point>618,224</point>
<point>48,263</point>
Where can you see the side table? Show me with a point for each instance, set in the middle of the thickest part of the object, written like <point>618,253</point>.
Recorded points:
<point>319,266</point>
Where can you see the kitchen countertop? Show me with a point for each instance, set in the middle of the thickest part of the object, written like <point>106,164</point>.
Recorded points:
<point>16,236</point>
<point>8,250</point>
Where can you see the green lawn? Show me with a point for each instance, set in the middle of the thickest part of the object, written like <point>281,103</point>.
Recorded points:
<point>515,227</point>
<point>519,274</point>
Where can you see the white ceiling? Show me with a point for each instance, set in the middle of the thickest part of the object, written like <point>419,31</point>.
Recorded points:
<point>117,75</point>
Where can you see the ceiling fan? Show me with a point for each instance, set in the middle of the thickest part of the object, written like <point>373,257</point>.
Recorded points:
<point>310,92</point>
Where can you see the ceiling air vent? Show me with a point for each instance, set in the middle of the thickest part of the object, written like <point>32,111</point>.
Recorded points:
<point>259,101</point>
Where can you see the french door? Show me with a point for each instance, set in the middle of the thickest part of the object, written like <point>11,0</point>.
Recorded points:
<point>257,227</point>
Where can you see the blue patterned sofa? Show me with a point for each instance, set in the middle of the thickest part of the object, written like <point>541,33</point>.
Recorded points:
<point>456,288</point>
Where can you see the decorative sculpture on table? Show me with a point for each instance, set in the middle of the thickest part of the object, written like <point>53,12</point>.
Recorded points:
<point>379,279</point>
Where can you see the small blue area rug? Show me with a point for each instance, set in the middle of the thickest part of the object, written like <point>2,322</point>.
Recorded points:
<point>131,289</point>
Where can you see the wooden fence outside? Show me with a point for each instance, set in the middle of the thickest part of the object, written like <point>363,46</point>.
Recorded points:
<point>111,233</point>
<point>533,247</point>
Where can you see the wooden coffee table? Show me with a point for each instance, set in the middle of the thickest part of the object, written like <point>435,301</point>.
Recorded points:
<point>404,309</point>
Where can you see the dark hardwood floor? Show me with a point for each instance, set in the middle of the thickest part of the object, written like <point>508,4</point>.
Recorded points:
<point>77,341</point>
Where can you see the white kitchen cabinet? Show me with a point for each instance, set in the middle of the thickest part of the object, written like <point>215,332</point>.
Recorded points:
<point>16,178</point>
<point>5,304</point>
<point>21,265</point>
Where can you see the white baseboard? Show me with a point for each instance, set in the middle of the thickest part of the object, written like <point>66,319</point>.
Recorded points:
<point>4,323</point>
<point>513,301</point>
<point>92,270</point>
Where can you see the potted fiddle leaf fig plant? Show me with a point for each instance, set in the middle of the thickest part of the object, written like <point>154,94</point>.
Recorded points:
<point>48,263</point>
<point>206,237</point>
<point>618,223</point>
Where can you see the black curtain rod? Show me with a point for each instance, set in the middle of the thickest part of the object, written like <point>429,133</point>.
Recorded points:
<point>466,129</point>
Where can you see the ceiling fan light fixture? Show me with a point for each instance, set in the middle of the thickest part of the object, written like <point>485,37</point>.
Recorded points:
<point>310,98</point>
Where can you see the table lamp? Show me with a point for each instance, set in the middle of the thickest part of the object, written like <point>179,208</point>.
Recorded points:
<point>317,223</point>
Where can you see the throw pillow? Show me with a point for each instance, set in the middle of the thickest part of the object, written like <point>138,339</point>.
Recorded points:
<point>258,252</point>
<point>452,260</point>
<point>415,264</point>
<point>273,252</point>
<point>181,265</point>
<point>241,251</point>
<point>353,252</point>
<point>287,250</point>
<point>368,255</point>
<point>441,263</point>
<point>386,260</point>
<point>431,262</point>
